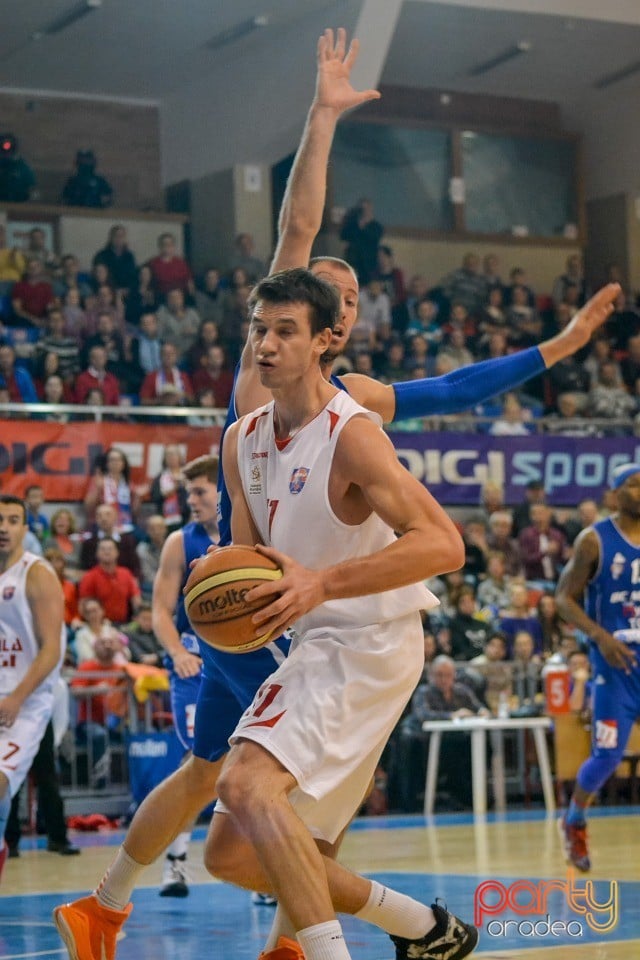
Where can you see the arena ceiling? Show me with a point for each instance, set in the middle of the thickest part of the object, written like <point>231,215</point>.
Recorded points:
<point>149,49</point>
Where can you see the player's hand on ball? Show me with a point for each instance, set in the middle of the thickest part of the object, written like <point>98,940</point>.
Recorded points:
<point>297,592</point>
<point>617,654</point>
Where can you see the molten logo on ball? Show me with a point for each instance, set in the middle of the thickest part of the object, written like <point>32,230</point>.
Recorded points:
<point>223,602</point>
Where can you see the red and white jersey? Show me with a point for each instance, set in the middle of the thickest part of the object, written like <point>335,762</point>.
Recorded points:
<point>18,643</point>
<point>286,485</point>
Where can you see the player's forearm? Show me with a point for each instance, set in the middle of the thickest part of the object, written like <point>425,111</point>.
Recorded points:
<point>564,344</point>
<point>165,630</point>
<point>571,611</point>
<point>414,557</point>
<point>46,661</point>
<point>303,203</point>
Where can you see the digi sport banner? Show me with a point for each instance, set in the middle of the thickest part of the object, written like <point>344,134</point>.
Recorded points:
<point>60,457</point>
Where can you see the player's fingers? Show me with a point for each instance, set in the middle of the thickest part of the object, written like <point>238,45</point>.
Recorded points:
<point>341,42</point>
<point>366,95</point>
<point>352,53</point>
<point>280,558</point>
<point>328,36</point>
<point>322,48</point>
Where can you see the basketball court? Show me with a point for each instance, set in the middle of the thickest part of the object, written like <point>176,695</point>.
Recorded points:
<point>449,856</point>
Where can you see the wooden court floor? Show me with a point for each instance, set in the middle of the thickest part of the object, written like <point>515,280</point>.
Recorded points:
<point>449,856</point>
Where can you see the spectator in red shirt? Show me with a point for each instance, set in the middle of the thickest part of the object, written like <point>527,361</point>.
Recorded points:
<point>96,376</point>
<point>114,586</point>
<point>170,270</point>
<point>543,547</point>
<point>168,386</point>
<point>215,376</point>
<point>32,296</point>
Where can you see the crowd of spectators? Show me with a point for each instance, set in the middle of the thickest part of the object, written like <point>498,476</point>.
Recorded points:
<point>119,332</point>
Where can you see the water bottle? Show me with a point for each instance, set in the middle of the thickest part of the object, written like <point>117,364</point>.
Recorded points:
<point>503,706</point>
<point>555,674</point>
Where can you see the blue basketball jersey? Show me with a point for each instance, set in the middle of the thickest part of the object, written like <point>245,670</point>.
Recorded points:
<point>195,541</point>
<point>613,596</point>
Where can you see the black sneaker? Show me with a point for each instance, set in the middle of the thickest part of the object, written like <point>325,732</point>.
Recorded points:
<point>450,939</point>
<point>175,880</point>
<point>63,847</point>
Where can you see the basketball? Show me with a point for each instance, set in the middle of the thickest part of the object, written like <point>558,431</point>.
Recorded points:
<point>214,597</point>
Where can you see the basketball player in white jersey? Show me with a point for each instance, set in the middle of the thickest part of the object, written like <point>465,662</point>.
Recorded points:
<point>313,477</point>
<point>31,649</point>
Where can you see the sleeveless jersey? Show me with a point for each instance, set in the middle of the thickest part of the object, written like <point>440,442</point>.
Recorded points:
<point>224,503</point>
<point>18,643</point>
<point>195,541</point>
<point>286,488</point>
<point>612,597</point>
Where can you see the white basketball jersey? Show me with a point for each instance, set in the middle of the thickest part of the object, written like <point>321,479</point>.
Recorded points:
<point>18,644</point>
<point>286,485</point>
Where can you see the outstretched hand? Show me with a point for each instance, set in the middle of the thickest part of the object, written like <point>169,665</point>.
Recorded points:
<point>594,313</point>
<point>335,62</point>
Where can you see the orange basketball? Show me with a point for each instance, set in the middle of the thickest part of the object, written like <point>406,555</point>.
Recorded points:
<point>214,597</point>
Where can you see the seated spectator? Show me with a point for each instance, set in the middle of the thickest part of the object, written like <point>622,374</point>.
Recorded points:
<point>491,498</point>
<point>100,715</point>
<point>234,326</point>
<point>168,490</point>
<point>468,632</point>
<point>145,346</point>
<point>143,643</point>
<point>97,375</point>
<point>215,376</point>
<point>494,315</point>
<point>623,323</point>
<point>149,552</point>
<point>526,668</point>
<point>392,279</point>
<point>608,399</point>
<point>515,420</point>
<point>426,324</point>
<point>491,272</point>
<point>454,349</point>
<point>106,520</point>
<point>245,258</point>
<point>209,297</point>
<point>519,616</point>
<point>53,394</point>
<point>495,344</point>
<point>85,187</point>
<point>69,587</point>
<point>518,278</point>
<point>601,351</point>
<point>178,324</point>
<point>197,355</point>
<point>630,365</point>
<point>206,401</point>
<point>32,296</point>
<point>112,340</point>
<point>37,249</point>
<point>75,318</point>
<point>12,263</point>
<point>64,538</point>
<point>55,340</point>
<point>466,285</point>
<point>93,625</point>
<point>142,298</point>
<point>170,271</point>
<point>572,277</point>
<point>523,321</point>
<point>543,546</point>
<point>71,278</point>
<point>534,492</point>
<point>36,520</point>
<point>493,591</point>
<point>374,315</point>
<point>111,484</point>
<point>461,317</point>
<point>587,513</point>
<point>476,548</point>
<point>169,386</point>
<point>569,420</point>
<point>443,698</point>
<point>393,367</point>
<point>418,290</point>
<point>118,259</point>
<point>16,380</point>
<point>361,233</point>
<point>105,301</point>
<point>113,585</point>
<point>495,670</point>
<point>550,623</point>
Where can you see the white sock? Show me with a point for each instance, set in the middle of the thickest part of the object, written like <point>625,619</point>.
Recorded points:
<point>396,913</point>
<point>117,885</point>
<point>323,941</point>
<point>179,846</point>
<point>281,927</point>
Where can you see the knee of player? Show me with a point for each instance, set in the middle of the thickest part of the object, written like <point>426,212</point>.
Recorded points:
<point>220,857</point>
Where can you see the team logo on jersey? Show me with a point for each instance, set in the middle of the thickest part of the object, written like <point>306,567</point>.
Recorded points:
<point>617,565</point>
<point>607,734</point>
<point>255,485</point>
<point>298,478</point>
<point>8,592</point>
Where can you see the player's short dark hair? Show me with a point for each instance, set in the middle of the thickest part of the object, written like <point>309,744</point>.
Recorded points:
<point>205,466</point>
<point>9,498</point>
<point>300,286</point>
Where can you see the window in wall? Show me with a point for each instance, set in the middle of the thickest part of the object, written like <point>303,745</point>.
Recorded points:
<point>519,185</point>
<point>404,170</point>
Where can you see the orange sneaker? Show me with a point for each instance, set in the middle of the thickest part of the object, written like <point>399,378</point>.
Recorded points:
<point>576,844</point>
<point>88,929</point>
<point>285,950</point>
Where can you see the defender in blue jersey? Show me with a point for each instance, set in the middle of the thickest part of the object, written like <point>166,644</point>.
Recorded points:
<point>230,681</point>
<point>174,632</point>
<point>599,592</point>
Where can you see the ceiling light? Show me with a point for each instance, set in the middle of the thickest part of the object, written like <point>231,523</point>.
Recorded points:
<point>523,46</point>
<point>616,76</point>
<point>231,34</point>
<point>67,19</point>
